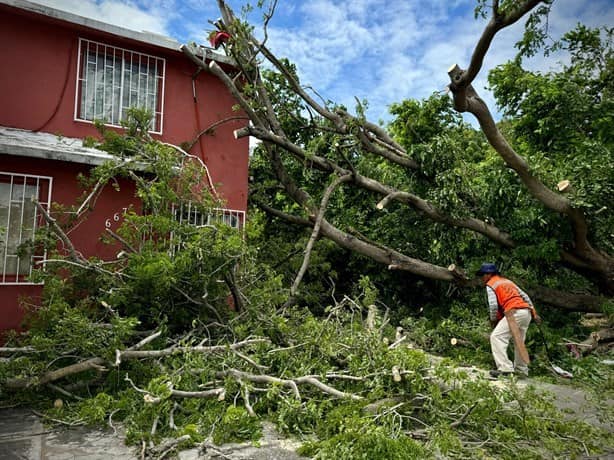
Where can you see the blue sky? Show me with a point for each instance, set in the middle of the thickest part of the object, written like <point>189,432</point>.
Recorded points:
<point>380,50</point>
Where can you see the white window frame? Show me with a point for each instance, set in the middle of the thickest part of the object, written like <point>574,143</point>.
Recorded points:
<point>186,213</point>
<point>119,57</point>
<point>13,180</point>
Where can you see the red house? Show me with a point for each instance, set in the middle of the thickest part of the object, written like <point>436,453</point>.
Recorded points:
<point>59,73</point>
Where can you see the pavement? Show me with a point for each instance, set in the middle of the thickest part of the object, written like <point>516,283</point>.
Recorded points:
<point>577,404</point>
<point>23,436</point>
<point>574,403</point>
<point>272,446</point>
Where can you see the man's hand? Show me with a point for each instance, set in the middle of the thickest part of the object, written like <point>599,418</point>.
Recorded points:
<point>493,323</point>
<point>537,319</point>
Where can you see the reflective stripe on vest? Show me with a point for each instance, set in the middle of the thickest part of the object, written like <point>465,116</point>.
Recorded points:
<point>508,295</point>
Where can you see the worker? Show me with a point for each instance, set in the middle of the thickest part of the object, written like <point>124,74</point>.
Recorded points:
<point>503,296</point>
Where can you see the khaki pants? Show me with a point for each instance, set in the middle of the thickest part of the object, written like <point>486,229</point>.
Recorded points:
<point>500,338</point>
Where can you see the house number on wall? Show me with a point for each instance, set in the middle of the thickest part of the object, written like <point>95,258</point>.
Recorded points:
<point>116,218</point>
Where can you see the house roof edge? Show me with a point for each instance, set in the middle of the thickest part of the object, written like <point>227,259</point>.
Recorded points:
<point>46,146</point>
<point>147,37</point>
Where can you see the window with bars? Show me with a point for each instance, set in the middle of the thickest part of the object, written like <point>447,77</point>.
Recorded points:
<point>111,80</point>
<point>188,214</point>
<point>19,219</point>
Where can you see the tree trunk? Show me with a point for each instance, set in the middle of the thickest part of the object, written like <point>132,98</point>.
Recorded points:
<point>567,300</point>
<point>364,136</point>
<point>595,339</point>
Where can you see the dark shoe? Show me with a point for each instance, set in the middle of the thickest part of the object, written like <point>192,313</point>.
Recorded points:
<point>496,374</point>
<point>521,375</point>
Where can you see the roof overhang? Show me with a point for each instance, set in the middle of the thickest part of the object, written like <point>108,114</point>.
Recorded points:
<point>29,144</point>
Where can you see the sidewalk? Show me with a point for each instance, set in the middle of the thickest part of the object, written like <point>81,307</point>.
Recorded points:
<point>24,437</point>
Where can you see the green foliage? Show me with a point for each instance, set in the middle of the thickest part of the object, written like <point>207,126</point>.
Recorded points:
<point>416,423</point>
<point>536,30</point>
<point>369,292</point>
<point>558,121</point>
<point>419,122</point>
<point>237,425</point>
<point>373,444</point>
<point>96,410</point>
<point>574,140</point>
<point>468,325</point>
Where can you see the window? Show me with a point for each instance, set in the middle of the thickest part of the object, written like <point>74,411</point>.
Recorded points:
<point>191,215</point>
<point>19,219</point>
<point>111,80</point>
<point>187,213</point>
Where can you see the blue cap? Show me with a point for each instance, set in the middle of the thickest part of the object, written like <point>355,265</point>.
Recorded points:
<point>487,268</point>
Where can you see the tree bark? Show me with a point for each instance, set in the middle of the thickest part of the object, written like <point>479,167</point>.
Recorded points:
<point>596,339</point>
<point>52,376</point>
<point>567,300</point>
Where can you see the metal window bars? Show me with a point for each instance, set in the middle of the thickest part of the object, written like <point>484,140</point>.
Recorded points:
<point>187,213</point>
<point>19,220</point>
<point>110,80</point>
<point>190,214</point>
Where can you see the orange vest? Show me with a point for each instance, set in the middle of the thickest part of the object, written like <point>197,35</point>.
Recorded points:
<point>507,294</point>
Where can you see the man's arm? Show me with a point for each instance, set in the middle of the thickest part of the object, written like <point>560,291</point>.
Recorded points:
<point>493,305</point>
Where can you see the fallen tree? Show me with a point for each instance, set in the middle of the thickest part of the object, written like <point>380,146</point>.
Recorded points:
<point>345,155</point>
<point>149,340</point>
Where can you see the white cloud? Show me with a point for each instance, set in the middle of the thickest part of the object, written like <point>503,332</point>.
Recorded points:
<point>345,49</point>
<point>372,49</point>
<point>117,12</point>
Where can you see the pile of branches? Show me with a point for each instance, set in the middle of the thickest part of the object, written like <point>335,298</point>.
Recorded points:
<point>348,384</point>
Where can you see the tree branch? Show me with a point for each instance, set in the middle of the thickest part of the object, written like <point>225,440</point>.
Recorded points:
<point>316,230</point>
<point>74,255</point>
<point>567,300</point>
<point>52,376</point>
<point>327,389</point>
<point>496,23</point>
<point>216,70</point>
<point>135,354</point>
<point>237,374</point>
<point>211,128</point>
<point>214,393</point>
<point>466,99</point>
<point>118,238</point>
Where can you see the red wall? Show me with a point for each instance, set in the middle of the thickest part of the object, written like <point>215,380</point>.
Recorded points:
<point>86,236</point>
<point>38,83</point>
<point>15,298</point>
<point>37,92</point>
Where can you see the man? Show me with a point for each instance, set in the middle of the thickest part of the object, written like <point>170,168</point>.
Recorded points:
<point>506,297</point>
